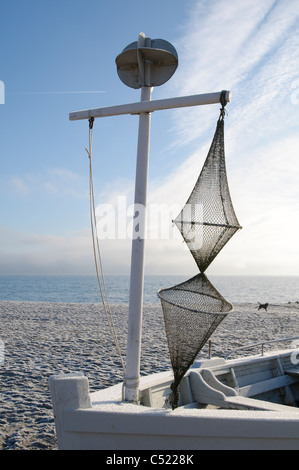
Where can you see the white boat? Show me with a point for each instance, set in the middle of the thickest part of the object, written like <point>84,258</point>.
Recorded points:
<point>245,403</point>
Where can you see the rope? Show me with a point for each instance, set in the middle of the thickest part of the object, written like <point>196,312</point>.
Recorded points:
<point>97,252</point>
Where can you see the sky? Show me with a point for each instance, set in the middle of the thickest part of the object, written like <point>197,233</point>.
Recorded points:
<point>57,57</point>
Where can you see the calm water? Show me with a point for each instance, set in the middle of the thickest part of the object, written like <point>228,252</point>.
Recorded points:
<point>84,289</point>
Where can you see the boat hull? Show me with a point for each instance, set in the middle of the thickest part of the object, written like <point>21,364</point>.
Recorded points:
<point>101,421</point>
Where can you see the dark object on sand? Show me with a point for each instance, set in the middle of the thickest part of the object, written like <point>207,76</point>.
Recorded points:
<point>264,306</point>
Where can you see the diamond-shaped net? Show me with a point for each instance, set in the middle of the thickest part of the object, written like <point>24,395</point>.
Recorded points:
<point>193,310</point>
<point>208,219</point>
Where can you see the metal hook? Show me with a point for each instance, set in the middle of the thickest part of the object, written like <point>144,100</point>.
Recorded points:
<point>91,121</point>
<point>223,102</point>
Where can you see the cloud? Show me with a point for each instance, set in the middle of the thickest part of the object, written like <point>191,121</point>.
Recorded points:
<point>250,48</point>
<point>20,185</point>
<point>53,181</point>
<point>28,253</point>
<point>62,181</point>
<point>247,47</point>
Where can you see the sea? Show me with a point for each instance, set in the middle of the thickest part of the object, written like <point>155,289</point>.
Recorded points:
<point>85,289</point>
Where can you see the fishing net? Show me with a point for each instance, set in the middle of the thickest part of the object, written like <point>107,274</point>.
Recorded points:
<point>208,219</point>
<point>194,309</point>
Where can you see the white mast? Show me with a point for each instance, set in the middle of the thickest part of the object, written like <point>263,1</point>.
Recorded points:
<point>145,75</point>
<point>143,64</point>
<point>138,243</point>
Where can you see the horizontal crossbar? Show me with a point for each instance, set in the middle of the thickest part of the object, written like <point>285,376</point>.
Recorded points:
<point>150,106</point>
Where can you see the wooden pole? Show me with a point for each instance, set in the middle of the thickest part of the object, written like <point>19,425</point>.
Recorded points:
<point>148,106</point>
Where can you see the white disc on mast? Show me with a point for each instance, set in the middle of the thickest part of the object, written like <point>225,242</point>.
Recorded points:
<point>159,55</point>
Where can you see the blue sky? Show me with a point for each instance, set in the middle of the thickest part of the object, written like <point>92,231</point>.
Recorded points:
<point>51,48</point>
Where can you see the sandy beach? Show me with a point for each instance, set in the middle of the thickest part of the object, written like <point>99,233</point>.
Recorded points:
<point>41,339</point>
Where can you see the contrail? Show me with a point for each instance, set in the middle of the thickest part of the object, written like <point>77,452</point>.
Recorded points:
<point>54,92</point>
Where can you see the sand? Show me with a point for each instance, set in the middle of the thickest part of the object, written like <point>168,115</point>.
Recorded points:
<point>41,339</point>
